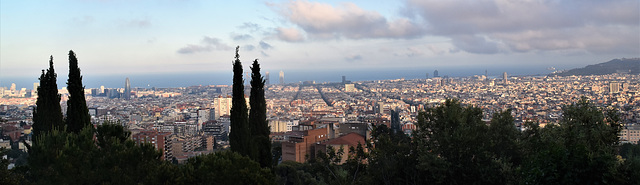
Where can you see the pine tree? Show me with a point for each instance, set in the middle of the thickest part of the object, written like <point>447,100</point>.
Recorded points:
<point>77,111</point>
<point>48,114</point>
<point>258,119</point>
<point>240,135</point>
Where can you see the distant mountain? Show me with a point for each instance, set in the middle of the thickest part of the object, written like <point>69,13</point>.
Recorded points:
<point>624,65</point>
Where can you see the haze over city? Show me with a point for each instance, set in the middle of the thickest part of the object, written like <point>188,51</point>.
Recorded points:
<point>115,39</point>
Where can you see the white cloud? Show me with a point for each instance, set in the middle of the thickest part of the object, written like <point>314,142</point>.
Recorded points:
<point>324,21</point>
<point>265,45</point>
<point>289,34</point>
<point>493,26</point>
<point>207,44</point>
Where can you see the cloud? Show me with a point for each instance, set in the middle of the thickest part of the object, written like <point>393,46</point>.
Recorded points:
<point>248,47</point>
<point>494,26</point>
<point>250,26</point>
<point>354,57</point>
<point>475,44</point>
<point>241,37</point>
<point>289,34</point>
<point>265,45</point>
<point>207,44</point>
<point>264,54</point>
<point>324,21</point>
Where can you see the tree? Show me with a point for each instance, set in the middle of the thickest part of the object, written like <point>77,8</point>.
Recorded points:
<point>505,145</point>
<point>61,157</point>
<point>392,157</point>
<point>8,176</point>
<point>48,114</point>
<point>453,146</point>
<point>258,124</point>
<point>77,112</point>
<point>224,167</point>
<point>580,149</point>
<point>240,134</point>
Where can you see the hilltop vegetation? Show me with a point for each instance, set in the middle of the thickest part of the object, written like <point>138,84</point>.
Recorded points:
<point>624,65</point>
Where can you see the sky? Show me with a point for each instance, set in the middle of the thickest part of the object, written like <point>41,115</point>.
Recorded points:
<point>121,37</point>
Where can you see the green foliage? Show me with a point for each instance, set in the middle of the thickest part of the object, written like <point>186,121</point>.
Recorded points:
<point>239,138</point>
<point>77,111</point>
<point>392,159</point>
<point>68,158</point>
<point>7,176</point>
<point>453,145</point>
<point>224,167</point>
<point>629,169</point>
<point>258,125</point>
<point>48,114</point>
<point>294,173</point>
<point>579,150</point>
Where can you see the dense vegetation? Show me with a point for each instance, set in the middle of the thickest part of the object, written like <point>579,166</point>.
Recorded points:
<point>452,145</point>
<point>628,65</point>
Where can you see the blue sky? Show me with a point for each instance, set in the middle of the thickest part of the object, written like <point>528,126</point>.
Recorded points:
<point>194,36</point>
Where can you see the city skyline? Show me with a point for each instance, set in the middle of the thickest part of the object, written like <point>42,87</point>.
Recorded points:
<point>149,37</point>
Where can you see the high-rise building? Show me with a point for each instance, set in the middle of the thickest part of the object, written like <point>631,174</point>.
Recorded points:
<point>101,89</point>
<point>35,86</point>
<point>427,76</point>
<point>486,74</point>
<point>212,114</point>
<point>344,79</point>
<point>222,106</point>
<point>435,74</point>
<point>13,87</point>
<point>266,78</point>
<point>349,88</point>
<point>127,89</point>
<point>504,77</point>
<point>281,77</point>
<point>614,87</point>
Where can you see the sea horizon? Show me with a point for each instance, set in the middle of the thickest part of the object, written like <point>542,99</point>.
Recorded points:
<point>170,80</point>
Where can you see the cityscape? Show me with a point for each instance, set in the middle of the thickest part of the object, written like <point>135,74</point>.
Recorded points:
<point>320,92</point>
<point>195,120</point>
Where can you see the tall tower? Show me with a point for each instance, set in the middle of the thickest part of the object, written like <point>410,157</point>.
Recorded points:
<point>35,86</point>
<point>435,74</point>
<point>344,79</point>
<point>13,87</point>
<point>504,77</point>
<point>281,77</point>
<point>266,78</point>
<point>127,89</point>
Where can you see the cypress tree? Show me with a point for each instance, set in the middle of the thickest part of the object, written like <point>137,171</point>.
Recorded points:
<point>48,114</point>
<point>258,119</point>
<point>240,135</point>
<point>77,111</point>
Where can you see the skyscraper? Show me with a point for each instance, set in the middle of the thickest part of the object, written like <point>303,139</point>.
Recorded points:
<point>344,79</point>
<point>281,77</point>
<point>614,87</point>
<point>127,89</point>
<point>435,74</point>
<point>266,78</point>
<point>504,76</point>
<point>13,87</point>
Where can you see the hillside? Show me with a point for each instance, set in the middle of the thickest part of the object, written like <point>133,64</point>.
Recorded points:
<point>624,65</point>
